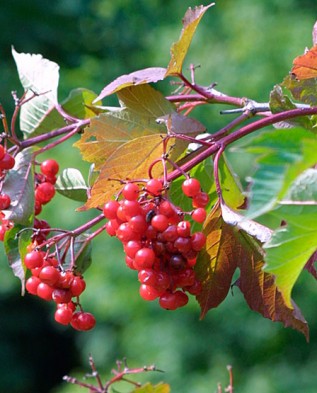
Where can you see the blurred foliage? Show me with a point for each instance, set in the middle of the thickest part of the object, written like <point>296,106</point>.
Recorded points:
<point>244,46</point>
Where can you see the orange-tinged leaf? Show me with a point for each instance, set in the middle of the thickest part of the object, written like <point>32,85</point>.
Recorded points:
<point>305,66</point>
<point>131,161</point>
<point>179,49</point>
<point>260,291</point>
<point>218,262</point>
<point>109,131</point>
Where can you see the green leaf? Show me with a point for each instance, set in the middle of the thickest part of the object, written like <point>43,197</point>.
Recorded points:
<point>148,75</point>
<point>302,90</point>
<point>39,76</point>
<point>292,245</point>
<point>19,185</point>
<point>77,104</point>
<point>179,49</point>
<point>15,249</point>
<point>283,155</point>
<point>71,184</point>
<point>149,388</point>
<point>279,102</point>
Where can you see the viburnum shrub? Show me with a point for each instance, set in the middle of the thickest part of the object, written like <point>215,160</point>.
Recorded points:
<point>160,182</point>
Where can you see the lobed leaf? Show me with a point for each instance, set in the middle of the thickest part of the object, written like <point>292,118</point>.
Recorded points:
<point>147,75</point>
<point>71,184</point>
<point>19,185</point>
<point>283,155</point>
<point>291,246</point>
<point>179,49</point>
<point>131,161</point>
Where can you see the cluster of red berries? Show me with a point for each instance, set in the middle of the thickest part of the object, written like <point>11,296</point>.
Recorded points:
<point>50,282</point>
<point>44,184</point>
<point>157,240</point>
<point>7,162</point>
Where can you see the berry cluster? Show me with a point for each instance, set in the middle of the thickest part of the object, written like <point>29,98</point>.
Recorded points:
<point>157,240</point>
<point>50,282</point>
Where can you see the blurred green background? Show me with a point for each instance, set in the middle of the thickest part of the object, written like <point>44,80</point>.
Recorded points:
<point>246,47</point>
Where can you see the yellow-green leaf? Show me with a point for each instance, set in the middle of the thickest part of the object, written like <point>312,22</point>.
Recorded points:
<point>179,49</point>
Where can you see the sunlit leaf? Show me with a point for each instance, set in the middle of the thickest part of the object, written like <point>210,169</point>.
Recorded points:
<point>179,49</point>
<point>71,184</point>
<point>305,66</point>
<point>149,388</point>
<point>131,161</point>
<point>148,75</point>
<point>111,130</point>
<point>283,155</point>
<point>293,244</point>
<point>19,185</point>
<point>38,76</point>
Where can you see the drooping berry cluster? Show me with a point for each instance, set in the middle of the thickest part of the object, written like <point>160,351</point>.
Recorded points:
<point>157,239</point>
<point>50,282</point>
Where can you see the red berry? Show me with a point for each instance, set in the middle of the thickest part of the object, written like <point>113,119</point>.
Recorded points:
<point>44,192</point>
<point>110,209</point>
<point>138,224</point>
<point>49,275</point>
<point>199,215</point>
<point>183,228</point>
<point>125,233</point>
<point>63,315</point>
<point>131,209</point>
<point>131,191</point>
<point>65,280</point>
<point>149,293</point>
<point>31,285</point>
<point>154,187</point>
<point>49,168</point>
<point>2,152</point>
<point>174,300</point>
<point>191,187</point>
<point>60,295</point>
<point>77,286</point>
<point>7,162</point>
<point>33,259</point>
<point>201,199</point>
<point>144,258</point>
<point>44,291</point>
<point>83,321</point>
<point>198,241</point>
<point>158,280</point>
<point>160,222</point>
<point>132,247</point>
<point>5,201</point>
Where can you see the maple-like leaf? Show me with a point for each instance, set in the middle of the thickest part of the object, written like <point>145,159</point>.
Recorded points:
<point>229,248</point>
<point>132,160</point>
<point>305,66</point>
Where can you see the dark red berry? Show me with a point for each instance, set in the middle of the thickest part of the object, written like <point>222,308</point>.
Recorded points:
<point>83,321</point>
<point>5,201</point>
